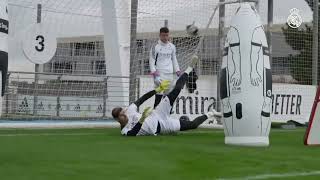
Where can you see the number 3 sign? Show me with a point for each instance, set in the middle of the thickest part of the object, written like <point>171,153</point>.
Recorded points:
<point>39,46</point>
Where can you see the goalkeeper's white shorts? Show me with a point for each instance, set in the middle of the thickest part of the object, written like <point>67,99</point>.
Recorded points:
<point>160,115</point>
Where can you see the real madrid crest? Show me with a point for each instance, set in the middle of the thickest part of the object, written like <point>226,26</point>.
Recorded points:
<point>294,19</point>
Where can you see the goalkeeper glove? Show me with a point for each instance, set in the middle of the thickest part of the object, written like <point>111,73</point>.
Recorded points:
<point>156,77</point>
<point>164,85</point>
<point>157,80</point>
<point>146,112</point>
<point>155,73</point>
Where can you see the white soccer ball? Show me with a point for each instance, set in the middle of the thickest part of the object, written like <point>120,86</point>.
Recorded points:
<point>192,29</point>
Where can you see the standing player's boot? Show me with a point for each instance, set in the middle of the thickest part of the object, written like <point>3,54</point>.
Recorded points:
<point>192,81</point>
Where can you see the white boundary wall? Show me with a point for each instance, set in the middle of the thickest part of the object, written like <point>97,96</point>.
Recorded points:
<point>289,101</point>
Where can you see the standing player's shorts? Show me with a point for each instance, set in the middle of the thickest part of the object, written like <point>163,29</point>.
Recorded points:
<point>168,76</point>
<point>161,116</point>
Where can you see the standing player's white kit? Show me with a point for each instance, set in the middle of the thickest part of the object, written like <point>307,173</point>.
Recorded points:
<point>246,80</point>
<point>4,30</point>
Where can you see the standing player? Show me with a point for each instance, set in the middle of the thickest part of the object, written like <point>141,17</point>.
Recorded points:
<point>163,62</point>
<point>157,121</point>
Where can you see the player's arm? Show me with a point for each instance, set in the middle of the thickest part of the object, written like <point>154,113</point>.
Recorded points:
<point>152,60</point>
<point>163,87</point>
<point>134,131</point>
<point>175,61</point>
<point>152,63</point>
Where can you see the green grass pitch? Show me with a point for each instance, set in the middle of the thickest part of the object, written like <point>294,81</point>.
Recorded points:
<point>94,154</point>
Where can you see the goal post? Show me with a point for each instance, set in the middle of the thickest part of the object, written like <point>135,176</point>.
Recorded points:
<point>146,20</point>
<point>312,136</point>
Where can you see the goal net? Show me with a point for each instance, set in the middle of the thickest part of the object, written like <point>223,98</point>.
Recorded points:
<point>74,83</point>
<point>198,96</point>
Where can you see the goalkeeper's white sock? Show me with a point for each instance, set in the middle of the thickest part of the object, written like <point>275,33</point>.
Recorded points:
<point>194,61</point>
<point>210,115</point>
<point>188,70</point>
<point>214,114</point>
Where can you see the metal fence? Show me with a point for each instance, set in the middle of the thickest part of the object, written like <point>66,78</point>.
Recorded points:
<point>51,96</point>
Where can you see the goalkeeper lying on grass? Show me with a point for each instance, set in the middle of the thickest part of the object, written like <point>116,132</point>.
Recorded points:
<point>158,121</point>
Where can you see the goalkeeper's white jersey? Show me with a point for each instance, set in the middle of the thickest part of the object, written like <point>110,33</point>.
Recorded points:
<point>161,116</point>
<point>163,58</point>
<point>133,118</point>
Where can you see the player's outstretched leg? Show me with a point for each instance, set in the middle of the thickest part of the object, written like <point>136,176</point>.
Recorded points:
<point>181,81</point>
<point>187,125</point>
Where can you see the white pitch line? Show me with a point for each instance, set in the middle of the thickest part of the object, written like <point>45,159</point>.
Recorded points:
<point>49,134</point>
<point>267,176</point>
